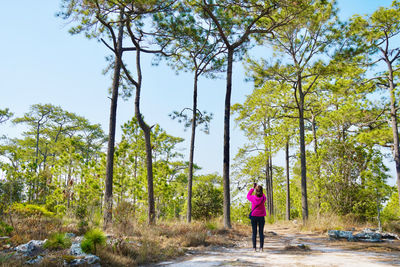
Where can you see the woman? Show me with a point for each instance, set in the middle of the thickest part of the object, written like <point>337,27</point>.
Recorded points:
<point>258,214</point>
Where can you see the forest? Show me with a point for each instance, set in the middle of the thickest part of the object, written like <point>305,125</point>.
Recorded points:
<point>325,102</point>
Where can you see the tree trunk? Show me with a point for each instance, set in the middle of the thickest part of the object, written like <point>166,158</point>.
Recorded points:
<point>287,181</point>
<point>314,130</point>
<point>271,183</point>
<point>227,199</point>
<point>393,117</point>
<point>268,176</point>
<point>146,131</point>
<point>191,154</point>
<point>304,203</point>
<point>108,196</point>
<point>267,184</point>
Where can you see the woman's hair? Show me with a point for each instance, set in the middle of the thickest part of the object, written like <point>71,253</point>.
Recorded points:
<point>259,191</point>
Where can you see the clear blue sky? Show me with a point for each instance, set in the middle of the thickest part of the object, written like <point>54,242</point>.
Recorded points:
<point>42,63</point>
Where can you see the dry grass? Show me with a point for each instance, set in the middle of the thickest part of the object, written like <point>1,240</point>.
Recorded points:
<point>33,228</point>
<point>166,240</point>
<point>393,227</point>
<point>331,221</point>
<point>142,244</point>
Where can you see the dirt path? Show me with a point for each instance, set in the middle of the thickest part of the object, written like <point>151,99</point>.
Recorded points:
<point>282,249</point>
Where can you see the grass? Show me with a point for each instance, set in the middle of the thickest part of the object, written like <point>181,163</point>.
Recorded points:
<point>58,241</point>
<point>168,239</point>
<point>92,240</point>
<point>330,221</point>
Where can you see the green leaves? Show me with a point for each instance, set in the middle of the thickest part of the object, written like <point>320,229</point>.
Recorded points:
<point>92,239</point>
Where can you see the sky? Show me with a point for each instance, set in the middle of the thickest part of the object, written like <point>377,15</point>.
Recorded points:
<point>42,63</point>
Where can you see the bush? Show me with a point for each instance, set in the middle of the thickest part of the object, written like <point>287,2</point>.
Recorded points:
<point>123,217</point>
<point>207,201</point>
<point>81,211</point>
<point>5,229</point>
<point>194,239</point>
<point>92,239</point>
<point>392,210</point>
<point>29,210</point>
<point>83,227</point>
<point>57,241</point>
<point>392,226</point>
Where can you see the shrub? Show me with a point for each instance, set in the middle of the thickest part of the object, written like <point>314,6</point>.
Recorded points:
<point>210,225</point>
<point>194,239</point>
<point>392,226</point>
<point>29,210</point>
<point>92,239</point>
<point>207,201</point>
<point>81,211</point>
<point>5,229</point>
<point>123,216</point>
<point>392,210</point>
<point>57,241</point>
<point>83,227</point>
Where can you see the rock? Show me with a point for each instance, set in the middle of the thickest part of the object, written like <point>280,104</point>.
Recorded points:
<point>7,246</point>
<point>84,258</point>
<point>302,246</point>
<point>368,236</point>
<point>89,259</point>
<point>389,236</point>
<point>35,260</point>
<point>76,249</point>
<point>74,262</point>
<point>70,235</point>
<point>92,259</point>
<point>272,233</point>
<point>337,234</point>
<point>31,248</point>
<point>78,239</point>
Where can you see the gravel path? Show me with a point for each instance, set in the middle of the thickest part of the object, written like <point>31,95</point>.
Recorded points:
<point>288,249</point>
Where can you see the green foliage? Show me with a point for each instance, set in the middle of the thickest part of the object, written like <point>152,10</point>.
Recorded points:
<point>81,211</point>
<point>391,212</point>
<point>57,241</point>
<point>5,115</point>
<point>240,212</point>
<point>5,229</point>
<point>27,210</point>
<point>83,226</point>
<point>11,191</point>
<point>92,239</point>
<point>55,201</point>
<point>123,216</point>
<point>207,201</point>
<point>210,225</point>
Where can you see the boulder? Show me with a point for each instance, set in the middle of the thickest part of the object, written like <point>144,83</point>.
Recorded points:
<point>76,249</point>
<point>84,258</point>
<point>35,260</point>
<point>337,234</point>
<point>70,235</point>
<point>389,236</point>
<point>368,235</point>
<point>31,248</point>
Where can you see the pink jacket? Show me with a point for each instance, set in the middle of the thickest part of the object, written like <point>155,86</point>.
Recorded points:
<point>260,210</point>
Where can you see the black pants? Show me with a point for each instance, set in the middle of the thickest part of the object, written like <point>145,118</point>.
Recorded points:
<point>260,221</point>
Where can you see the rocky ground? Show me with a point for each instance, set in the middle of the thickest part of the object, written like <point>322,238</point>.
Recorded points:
<point>284,247</point>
